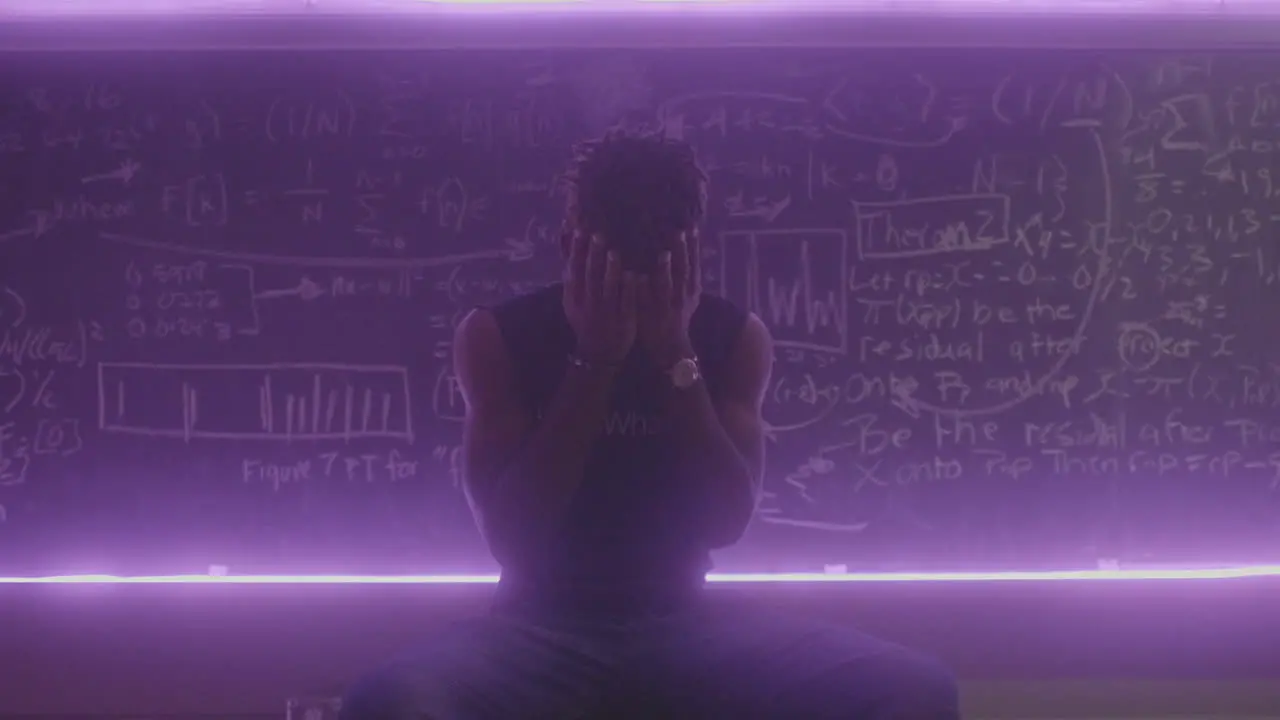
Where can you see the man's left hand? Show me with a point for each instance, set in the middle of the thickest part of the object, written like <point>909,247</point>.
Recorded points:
<point>668,301</point>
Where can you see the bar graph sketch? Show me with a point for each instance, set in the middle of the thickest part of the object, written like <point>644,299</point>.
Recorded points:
<point>283,402</point>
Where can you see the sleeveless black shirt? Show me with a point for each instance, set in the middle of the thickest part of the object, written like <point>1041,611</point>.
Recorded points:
<point>629,542</point>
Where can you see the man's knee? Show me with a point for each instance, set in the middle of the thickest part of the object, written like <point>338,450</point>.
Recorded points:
<point>386,695</point>
<point>905,685</point>
<point>482,669</point>
<point>856,675</point>
<point>425,682</point>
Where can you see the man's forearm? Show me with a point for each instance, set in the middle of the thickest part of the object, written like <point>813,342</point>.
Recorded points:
<point>721,478</point>
<point>535,489</point>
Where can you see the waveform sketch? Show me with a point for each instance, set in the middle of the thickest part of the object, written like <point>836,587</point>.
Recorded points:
<point>283,402</point>
<point>794,280</point>
<point>931,226</point>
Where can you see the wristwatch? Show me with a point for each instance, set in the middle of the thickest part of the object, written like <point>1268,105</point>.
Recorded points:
<point>685,373</point>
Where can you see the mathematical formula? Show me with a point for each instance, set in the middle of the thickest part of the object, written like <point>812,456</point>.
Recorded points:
<point>1025,277</point>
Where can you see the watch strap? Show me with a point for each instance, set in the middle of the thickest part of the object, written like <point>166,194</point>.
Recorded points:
<point>582,363</point>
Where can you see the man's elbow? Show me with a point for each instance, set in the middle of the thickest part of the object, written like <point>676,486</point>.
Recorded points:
<point>497,520</point>
<point>732,515</point>
<point>728,529</point>
<point>507,538</point>
<point>487,521</point>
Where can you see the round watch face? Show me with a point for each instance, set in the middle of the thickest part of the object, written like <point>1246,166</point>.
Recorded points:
<point>685,373</point>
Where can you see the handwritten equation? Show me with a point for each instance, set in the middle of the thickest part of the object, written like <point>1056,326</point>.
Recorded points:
<point>274,402</point>
<point>38,361</point>
<point>1031,275</point>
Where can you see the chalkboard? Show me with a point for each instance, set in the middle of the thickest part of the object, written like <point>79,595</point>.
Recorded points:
<point>1025,303</point>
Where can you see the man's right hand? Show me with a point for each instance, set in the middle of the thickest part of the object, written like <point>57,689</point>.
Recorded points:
<point>600,302</point>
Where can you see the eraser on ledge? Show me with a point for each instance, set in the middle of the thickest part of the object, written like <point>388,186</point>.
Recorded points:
<point>218,570</point>
<point>839,569</point>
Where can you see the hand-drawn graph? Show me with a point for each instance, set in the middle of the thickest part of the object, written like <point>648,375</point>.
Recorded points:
<point>794,280</point>
<point>283,402</point>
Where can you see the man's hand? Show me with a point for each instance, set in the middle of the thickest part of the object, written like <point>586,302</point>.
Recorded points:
<point>667,302</point>
<point>600,302</point>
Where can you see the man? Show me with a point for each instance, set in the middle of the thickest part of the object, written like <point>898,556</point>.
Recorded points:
<point>613,438</point>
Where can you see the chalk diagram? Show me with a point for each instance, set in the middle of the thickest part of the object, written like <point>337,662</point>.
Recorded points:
<point>797,279</point>
<point>282,402</point>
<point>932,124</point>
<point>513,250</point>
<point>226,300</point>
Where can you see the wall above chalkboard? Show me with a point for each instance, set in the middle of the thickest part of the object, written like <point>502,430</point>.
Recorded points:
<point>1023,302</point>
<point>974,25</point>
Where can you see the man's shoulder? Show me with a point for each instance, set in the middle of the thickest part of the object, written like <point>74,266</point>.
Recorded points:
<point>536,310</point>
<point>717,301</point>
<point>531,323</point>
<point>720,313</point>
<point>543,297</point>
<point>716,327</point>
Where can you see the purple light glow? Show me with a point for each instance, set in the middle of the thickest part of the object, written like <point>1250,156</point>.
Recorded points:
<point>73,9</point>
<point>135,8</point>
<point>1222,573</point>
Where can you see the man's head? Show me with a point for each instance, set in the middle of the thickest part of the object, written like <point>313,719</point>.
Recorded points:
<point>638,192</point>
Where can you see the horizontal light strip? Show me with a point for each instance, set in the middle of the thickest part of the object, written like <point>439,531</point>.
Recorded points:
<point>154,8</point>
<point>1223,573</point>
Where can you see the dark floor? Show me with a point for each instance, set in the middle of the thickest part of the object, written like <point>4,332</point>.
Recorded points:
<point>1063,651</point>
<point>1104,700</point>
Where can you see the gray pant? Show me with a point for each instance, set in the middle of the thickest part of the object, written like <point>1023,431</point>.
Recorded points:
<point>697,663</point>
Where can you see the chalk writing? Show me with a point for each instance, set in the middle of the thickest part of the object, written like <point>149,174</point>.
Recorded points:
<point>1021,304</point>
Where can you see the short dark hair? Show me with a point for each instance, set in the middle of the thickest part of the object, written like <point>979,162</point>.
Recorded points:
<point>635,189</point>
